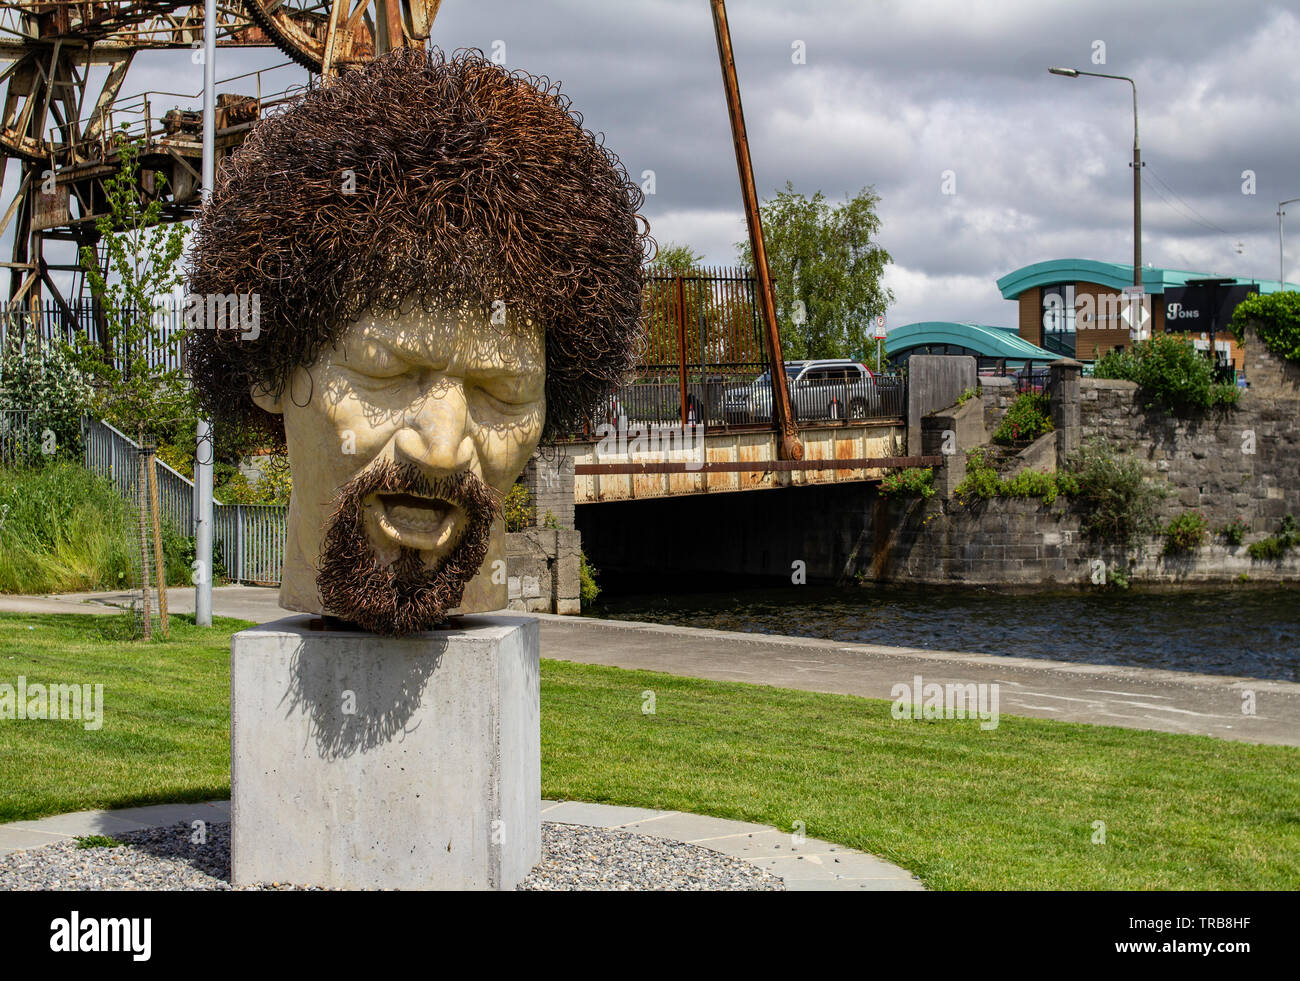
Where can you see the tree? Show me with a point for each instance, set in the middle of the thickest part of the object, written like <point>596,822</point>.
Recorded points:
<point>135,387</point>
<point>823,256</point>
<point>677,259</point>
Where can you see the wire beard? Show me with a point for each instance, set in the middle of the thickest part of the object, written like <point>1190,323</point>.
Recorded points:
<point>406,596</point>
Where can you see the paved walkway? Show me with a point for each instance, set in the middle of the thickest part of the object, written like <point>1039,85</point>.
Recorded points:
<point>808,864</point>
<point>1135,698</point>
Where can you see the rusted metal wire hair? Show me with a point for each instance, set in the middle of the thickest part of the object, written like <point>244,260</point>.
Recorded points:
<point>446,179</point>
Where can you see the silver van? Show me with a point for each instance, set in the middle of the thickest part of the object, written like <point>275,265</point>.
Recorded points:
<point>834,388</point>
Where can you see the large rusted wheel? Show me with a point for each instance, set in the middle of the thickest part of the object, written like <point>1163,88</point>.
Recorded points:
<point>329,35</point>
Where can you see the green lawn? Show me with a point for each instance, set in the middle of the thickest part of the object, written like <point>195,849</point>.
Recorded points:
<point>963,808</point>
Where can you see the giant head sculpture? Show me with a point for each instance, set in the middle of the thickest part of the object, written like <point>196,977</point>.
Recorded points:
<point>445,268</point>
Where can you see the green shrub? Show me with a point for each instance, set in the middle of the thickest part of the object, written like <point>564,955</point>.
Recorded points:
<point>1224,394</point>
<point>1116,497</point>
<point>1029,417</point>
<point>981,480</point>
<point>967,394</point>
<point>1116,364</point>
<point>1277,321</point>
<point>1276,546</point>
<point>1185,533</point>
<point>588,588</point>
<point>909,482</point>
<point>1170,372</point>
<point>1234,532</point>
<point>518,509</point>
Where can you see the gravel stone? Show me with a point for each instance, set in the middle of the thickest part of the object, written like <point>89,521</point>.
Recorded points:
<point>574,857</point>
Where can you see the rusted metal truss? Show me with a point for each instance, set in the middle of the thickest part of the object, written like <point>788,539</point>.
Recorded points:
<point>60,126</point>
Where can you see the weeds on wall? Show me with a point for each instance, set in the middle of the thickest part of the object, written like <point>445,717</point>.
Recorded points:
<point>1185,533</point>
<point>1117,498</point>
<point>1171,374</point>
<point>1273,547</point>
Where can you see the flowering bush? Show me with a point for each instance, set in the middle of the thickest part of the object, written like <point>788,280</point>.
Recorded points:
<point>1028,418</point>
<point>47,384</point>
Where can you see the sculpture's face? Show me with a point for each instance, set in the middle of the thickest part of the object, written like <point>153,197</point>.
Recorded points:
<point>403,438</point>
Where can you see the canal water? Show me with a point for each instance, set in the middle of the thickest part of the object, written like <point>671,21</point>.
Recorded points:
<point>1254,632</point>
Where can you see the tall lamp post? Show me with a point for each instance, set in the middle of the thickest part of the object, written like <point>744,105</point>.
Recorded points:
<point>1137,166</point>
<point>203,455</point>
<point>1281,255</point>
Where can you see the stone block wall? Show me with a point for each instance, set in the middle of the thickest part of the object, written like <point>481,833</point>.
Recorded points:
<point>542,570</point>
<point>1242,462</point>
<point>548,475</point>
<point>999,392</point>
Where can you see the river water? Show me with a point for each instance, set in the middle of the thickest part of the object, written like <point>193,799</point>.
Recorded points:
<point>1249,631</point>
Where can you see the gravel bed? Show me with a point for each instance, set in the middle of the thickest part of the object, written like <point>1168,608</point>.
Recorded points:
<point>574,857</point>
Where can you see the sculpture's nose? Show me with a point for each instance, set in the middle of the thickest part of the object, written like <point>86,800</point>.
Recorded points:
<point>435,433</point>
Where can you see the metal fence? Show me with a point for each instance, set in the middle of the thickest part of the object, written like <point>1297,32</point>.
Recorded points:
<point>37,325</point>
<point>19,441</point>
<point>115,455</point>
<point>703,358</point>
<point>248,539</point>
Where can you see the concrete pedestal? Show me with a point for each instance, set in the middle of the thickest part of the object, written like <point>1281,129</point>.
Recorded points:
<point>362,762</point>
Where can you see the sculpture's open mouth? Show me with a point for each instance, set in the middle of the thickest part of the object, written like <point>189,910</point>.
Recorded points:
<point>412,521</point>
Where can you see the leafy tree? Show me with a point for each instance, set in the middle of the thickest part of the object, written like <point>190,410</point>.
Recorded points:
<point>823,256</point>
<point>135,389</point>
<point>1277,321</point>
<point>677,258</point>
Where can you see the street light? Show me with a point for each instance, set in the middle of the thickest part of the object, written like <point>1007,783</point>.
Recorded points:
<point>1281,260</point>
<point>205,447</point>
<point>1137,166</point>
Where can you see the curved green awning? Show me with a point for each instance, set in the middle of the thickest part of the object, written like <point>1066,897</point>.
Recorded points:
<point>1116,275</point>
<point>991,342</point>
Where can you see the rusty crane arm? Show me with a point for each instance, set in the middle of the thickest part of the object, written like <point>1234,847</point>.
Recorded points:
<point>782,417</point>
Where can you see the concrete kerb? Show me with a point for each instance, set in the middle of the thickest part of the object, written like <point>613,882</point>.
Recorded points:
<point>802,863</point>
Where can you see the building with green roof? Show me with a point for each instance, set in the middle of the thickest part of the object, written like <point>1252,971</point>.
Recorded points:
<point>1073,307</point>
<point>993,347</point>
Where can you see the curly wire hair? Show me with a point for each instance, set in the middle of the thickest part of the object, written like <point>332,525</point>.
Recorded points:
<point>446,179</point>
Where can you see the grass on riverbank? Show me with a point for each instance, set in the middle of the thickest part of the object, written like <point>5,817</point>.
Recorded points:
<point>1011,808</point>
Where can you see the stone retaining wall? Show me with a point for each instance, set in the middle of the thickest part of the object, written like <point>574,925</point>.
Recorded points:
<point>542,570</point>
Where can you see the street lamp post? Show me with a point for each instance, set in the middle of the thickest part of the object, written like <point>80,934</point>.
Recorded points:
<point>1137,166</point>
<point>1281,255</point>
<point>203,455</point>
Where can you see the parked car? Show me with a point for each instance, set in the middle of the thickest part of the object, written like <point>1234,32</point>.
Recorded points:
<point>824,389</point>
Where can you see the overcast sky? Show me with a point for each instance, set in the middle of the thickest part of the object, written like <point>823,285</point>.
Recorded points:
<point>893,94</point>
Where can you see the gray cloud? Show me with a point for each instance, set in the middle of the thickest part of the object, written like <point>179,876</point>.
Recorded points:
<point>895,93</point>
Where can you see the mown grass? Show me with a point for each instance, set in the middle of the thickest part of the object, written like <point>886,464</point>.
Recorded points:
<point>1012,808</point>
<point>166,730</point>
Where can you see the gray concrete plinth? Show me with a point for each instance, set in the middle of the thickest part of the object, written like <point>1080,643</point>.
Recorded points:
<point>360,761</point>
